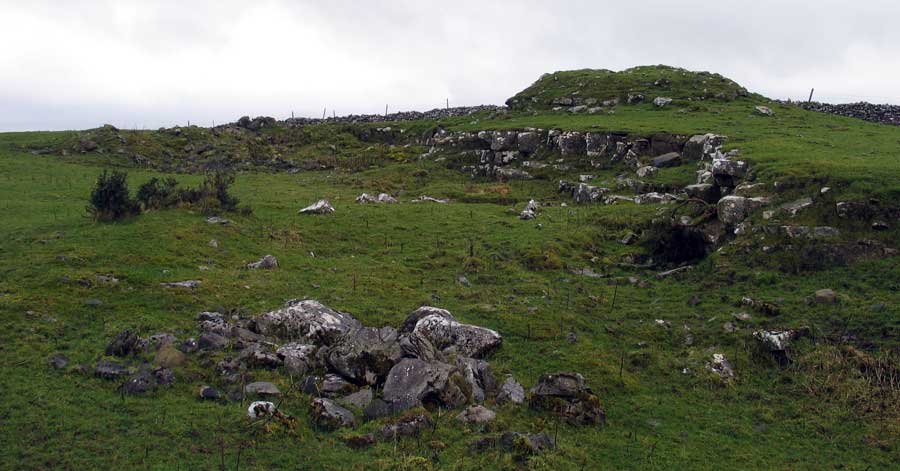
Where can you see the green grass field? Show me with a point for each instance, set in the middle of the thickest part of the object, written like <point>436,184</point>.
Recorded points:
<point>826,410</point>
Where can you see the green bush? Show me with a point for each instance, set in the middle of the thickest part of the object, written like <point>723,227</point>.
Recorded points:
<point>212,196</point>
<point>110,199</point>
<point>158,193</point>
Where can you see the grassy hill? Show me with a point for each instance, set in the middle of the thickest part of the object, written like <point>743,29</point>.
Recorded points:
<point>835,405</point>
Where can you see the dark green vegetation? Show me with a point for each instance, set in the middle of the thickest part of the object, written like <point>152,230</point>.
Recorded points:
<point>836,406</point>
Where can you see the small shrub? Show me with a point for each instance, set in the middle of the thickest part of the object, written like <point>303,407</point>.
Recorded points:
<point>545,258</point>
<point>212,196</point>
<point>110,199</point>
<point>158,193</point>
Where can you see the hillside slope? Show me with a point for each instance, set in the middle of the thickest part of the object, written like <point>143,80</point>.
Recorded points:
<point>706,337</point>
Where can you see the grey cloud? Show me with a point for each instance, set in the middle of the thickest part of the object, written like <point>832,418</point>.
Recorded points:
<point>166,62</point>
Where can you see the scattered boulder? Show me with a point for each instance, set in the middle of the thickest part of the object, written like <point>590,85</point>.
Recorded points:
<point>721,367</point>
<point>218,220</point>
<point>190,284</point>
<point>646,171</point>
<point>266,263</point>
<point>359,400</point>
<point>408,426</point>
<point>58,361</point>
<point>124,344</point>
<point>261,409</point>
<point>208,393</point>
<point>262,388</point>
<point>565,394</point>
<point>528,444</point>
<point>825,296</point>
<point>530,211</point>
<point>476,415</point>
<point>763,111</point>
<point>778,341</point>
<point>319,207</point>
<point>139,383</point>
<point>330,416</point>
<point>211,341</point>
<point>366,198</point>
<point>110,370</point>
<point>661,101</point>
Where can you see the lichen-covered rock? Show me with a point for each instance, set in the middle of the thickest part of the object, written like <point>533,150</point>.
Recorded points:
<point>298,358</point>
<point>511,391</point>
<point>778,340</point>
<point>330,416</point>
<point>307,320</point>
<point>479,377</point>
<point>413,382</point>
<point>261,409</point>
<point>704,147</point>
<point>734,209</point>
<point>587,194</point>
<point>661,101</point>
<point>366,355</point>
<point>566,395</point>
<point>443,331</point>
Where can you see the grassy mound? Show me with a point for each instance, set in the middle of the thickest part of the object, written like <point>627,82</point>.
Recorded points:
<point>591,87</point>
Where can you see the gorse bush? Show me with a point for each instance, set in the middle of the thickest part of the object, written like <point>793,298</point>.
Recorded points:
<point>212,196</point>
<point>158,193</point>
<point>110,199</point>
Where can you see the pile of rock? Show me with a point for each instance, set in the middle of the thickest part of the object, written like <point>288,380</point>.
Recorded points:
<point>432,360</point>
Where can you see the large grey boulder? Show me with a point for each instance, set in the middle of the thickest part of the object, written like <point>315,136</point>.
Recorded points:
<point>726,172</point>
<point>413,382</point>
<point>661,101</point>
<point>307,320</point>
<point>366,355</point>
<point>330,416</point>
<point>442,330</point>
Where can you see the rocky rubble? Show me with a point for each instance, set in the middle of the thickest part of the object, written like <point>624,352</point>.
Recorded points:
<point>430,361</point>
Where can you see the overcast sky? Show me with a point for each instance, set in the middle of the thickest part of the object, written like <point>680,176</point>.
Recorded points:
<point>70,64</point>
